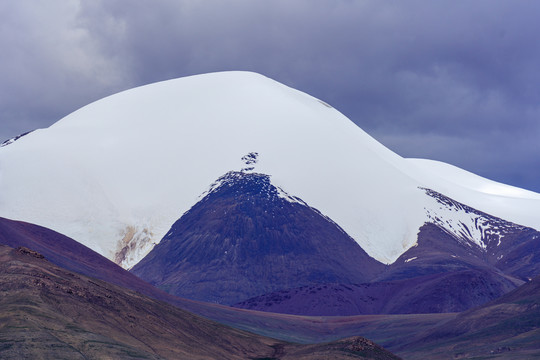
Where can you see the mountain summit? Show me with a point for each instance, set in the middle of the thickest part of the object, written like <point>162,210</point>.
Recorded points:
<point>116,174</point>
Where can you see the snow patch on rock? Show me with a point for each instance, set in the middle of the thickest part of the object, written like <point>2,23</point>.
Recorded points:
<point>470,226</point>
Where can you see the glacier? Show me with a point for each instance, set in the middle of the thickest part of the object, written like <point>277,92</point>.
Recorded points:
<point>117,173</point>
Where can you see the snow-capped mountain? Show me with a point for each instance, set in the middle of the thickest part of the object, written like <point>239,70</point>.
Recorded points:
<point>116,174</point>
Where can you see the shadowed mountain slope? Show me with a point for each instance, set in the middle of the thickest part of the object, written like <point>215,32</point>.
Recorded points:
<point>246,237</point>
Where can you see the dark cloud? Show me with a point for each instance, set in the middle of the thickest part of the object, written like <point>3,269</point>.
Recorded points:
<point>455,81</point>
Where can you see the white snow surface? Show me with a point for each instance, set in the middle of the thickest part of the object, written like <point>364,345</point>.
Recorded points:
<point>120,171</point>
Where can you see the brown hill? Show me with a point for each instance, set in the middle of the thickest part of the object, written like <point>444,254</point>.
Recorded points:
<point>47,312</point>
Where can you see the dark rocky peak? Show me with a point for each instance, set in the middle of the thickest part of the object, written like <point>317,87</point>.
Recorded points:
<point>247,237</point>
<point>247,185</point>
<point>250,160</point>
<point>239,183</point>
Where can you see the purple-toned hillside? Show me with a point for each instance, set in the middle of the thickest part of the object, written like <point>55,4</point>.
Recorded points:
<point>68,253</point>
<point>451,291</point>
<point>246,238</point>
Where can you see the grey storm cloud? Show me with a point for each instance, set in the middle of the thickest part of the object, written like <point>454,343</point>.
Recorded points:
<point>456,81</point>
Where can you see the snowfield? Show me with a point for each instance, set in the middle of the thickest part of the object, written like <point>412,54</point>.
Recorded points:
<point>117,173</point>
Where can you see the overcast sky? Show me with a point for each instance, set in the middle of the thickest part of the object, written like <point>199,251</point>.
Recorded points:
<point>456,81</point>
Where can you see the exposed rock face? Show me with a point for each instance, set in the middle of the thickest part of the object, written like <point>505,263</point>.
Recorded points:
<point>246,238</point>
<point>27,251</point>
<point>135,241</point>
